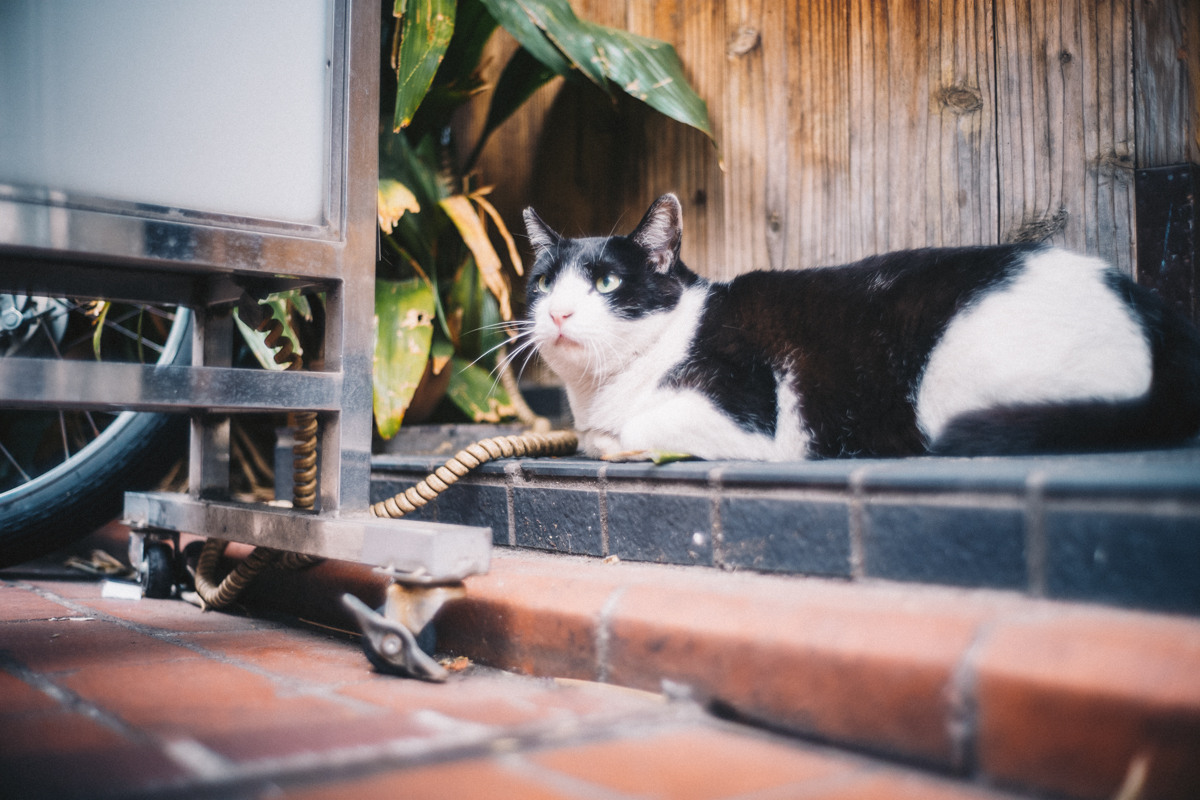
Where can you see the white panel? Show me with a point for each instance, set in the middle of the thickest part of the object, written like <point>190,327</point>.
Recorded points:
<point>212,105</point>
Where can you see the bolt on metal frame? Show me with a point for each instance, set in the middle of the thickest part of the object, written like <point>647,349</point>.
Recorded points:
<point>83,246</point>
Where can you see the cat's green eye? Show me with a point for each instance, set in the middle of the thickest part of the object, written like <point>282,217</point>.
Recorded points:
<point>608,283</point>
<point>542,284</point>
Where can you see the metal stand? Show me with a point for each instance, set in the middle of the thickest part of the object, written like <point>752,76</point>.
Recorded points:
<point>144,254</point>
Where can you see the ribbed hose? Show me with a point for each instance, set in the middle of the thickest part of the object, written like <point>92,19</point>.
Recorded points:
<point>554,443</point>
<point>304,464</point>
<point>304,492</point>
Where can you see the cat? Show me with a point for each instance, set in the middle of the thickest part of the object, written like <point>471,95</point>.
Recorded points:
<point>988,350</point>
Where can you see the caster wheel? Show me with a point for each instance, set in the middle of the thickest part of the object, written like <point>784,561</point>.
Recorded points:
<point>157,570</point>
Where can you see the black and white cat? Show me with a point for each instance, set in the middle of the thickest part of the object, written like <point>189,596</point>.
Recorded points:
<point>975,350</point>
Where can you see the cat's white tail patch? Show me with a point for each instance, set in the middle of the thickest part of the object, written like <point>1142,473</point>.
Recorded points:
<point>1058,333</point>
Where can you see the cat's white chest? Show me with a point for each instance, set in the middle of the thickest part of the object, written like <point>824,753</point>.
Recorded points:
<point>634,407</point>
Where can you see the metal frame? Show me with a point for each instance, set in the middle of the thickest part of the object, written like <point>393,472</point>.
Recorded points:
<point>90,247</point>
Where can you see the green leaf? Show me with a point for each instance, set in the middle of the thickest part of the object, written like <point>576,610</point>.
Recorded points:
<point>573,37</point>
<point>105,306</point>
<point>522,76</point>
<point>403,335</point>
<point>256,342</point>
<point>516,21</point>
<point>473,26</point>
<point>477,393</point>
<point>425,34</point>
<point>650,71</point>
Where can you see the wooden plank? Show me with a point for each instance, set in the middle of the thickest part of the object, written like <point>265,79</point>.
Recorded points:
<point>1065,144</point>
<point>1166,49</point>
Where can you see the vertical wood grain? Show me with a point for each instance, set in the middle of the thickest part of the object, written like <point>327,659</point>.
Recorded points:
<point>1066,137</point>
<point>1166,49</point>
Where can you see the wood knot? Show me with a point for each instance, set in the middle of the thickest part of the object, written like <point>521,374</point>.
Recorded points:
<point>960,99</point>
<point>744,40</point>
<point>1038,228</point>
<point>1064,57</point>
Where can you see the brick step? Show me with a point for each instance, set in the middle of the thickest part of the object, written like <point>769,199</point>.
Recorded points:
<point>991,686</point>
<point>1121,529</point>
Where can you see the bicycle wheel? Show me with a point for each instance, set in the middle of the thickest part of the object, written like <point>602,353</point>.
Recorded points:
<point>49,500</point>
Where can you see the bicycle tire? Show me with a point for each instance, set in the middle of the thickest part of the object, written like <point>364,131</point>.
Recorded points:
<point>84,492</point>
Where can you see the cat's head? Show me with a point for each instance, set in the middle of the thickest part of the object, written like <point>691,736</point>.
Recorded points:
<point>594,303</point>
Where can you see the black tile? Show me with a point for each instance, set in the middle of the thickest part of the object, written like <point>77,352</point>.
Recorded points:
<point>561,467</point>
<point>786,535</point>
<point>939,544</point>
<point>383,488</point>
<point>676,471</point>
<point>1006,475</point>
<point>832,473</point>
<point>476,504</point>
<point>1131,559</point>
<point>566,520</point>
<point>1181,480</point>
<point>652,526</point>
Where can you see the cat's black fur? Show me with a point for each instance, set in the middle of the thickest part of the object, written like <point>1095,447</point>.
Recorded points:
<point>858,336</point>
<point>856,340</point>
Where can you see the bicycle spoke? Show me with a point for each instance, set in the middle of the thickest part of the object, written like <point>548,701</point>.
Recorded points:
<point>62,424</point>
<point>13,461</point>
<point>92,422</point>
<point>53,344</point>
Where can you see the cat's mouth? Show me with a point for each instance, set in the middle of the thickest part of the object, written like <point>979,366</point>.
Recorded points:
<point>562,340</point>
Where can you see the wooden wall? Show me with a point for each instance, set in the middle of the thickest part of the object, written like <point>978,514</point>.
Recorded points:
<point>860,126</point>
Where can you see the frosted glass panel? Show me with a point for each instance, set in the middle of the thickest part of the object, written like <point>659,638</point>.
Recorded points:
<point>210,105</point>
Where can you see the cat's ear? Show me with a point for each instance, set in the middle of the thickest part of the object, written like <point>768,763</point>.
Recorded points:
<point>660,232</point>
<point>540,235</point>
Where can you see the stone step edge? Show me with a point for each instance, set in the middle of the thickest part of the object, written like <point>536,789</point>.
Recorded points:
<point>1025,693</point>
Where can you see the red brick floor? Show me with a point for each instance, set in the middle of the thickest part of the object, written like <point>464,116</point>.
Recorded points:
<point>154,698</point>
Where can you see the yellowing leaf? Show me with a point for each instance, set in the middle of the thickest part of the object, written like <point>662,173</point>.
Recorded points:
<point>394,199</point>
<point>466,219</point>
<point>500,226</point>
<point>403,334</point>
<point>477,393</point>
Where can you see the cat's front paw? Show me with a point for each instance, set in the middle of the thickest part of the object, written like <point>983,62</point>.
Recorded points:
<point>598,444</point>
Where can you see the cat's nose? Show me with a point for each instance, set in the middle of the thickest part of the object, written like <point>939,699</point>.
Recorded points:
<point>560,317</point>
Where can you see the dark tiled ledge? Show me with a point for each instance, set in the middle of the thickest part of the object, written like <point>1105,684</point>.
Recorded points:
<point>1112,528</point>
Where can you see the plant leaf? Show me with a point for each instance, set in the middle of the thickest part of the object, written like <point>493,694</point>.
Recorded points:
<point>517,21</point>
<point>256,342</point>
<point>440,352</point>
<point>572,36</point>
<point>650,71</point>
<point>425,34</point>
<point>513,255</point>
<point>466,219</point>
<point>394,199</point>
<point>104,307</point>
<point>403,335</point>
<point>522,76</point>
<point>477,393</point>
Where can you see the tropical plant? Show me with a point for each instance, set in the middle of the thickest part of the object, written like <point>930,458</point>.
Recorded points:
<point>443,292</point>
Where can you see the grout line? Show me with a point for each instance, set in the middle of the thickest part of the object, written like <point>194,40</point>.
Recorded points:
<point>567,785</point>
<point>962,720</point>
<point>718,531</point>
<point>857,524</point>
<point>1035,534</point>
<point>511,473</point>
<point>604,632</point>
<point>602,479</point>
<point>292,686</point>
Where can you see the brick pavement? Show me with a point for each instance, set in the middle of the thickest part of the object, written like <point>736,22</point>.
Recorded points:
<point>154,698</point>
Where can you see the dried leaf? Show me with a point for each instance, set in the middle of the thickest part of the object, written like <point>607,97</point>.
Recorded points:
<point>466,219</point>
<point>500,226</point>
<point>403,335</point>
<point>394,199</point>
